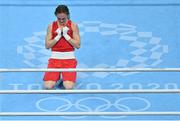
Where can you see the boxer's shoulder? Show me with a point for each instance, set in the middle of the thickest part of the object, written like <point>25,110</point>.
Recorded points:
<point>74,25</point>
<point>52,24</point>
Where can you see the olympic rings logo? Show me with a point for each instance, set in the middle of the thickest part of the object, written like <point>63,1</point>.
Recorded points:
<point>92,104</point>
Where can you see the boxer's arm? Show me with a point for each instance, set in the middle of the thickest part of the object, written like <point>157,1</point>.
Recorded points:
<point>75,41</point>
<point>49,43</point>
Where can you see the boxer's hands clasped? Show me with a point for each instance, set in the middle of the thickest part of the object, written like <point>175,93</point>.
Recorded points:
<point>62,32</point>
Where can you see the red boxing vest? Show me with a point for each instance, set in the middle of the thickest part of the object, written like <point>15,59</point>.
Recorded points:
<point>62,45</point>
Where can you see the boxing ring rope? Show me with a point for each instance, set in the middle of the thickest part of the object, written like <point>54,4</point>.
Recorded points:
<point>88,113</point>
<point>90,92</point>
<point>92,70</point>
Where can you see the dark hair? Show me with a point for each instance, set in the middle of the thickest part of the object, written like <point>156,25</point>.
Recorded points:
<point>62,9</point>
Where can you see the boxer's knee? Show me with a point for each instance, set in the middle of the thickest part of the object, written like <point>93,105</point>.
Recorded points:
<point>68,84</point>
<point>49,84</point>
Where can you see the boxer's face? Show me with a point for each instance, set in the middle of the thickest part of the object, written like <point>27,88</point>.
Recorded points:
<point>62,18</point>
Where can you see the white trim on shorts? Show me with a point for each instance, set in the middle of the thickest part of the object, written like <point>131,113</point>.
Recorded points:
<point>62,55</point>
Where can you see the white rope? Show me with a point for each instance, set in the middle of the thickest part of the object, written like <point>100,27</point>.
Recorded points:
<point>89,91</point>
<point>86,113</point>
<point>92,70</point>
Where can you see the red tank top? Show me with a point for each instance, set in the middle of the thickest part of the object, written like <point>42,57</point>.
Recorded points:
<point>62,45</point>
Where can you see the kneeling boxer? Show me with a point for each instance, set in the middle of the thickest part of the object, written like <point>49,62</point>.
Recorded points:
<point>62,37</point>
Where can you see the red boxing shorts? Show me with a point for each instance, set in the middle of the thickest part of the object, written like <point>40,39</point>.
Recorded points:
<point>61,63</point>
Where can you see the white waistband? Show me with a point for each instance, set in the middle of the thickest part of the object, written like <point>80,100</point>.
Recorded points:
<point>63,55</point>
